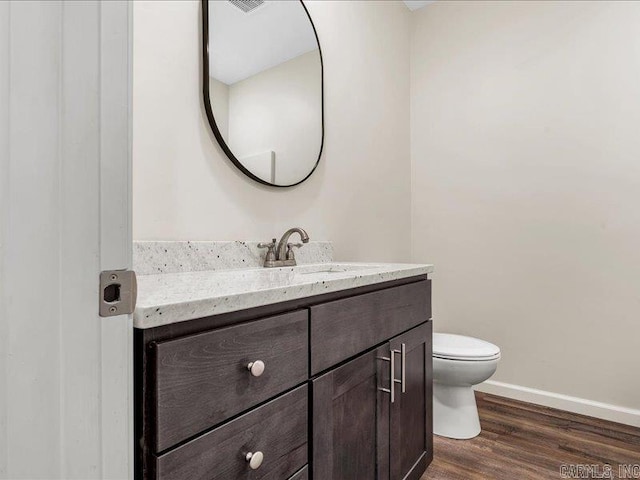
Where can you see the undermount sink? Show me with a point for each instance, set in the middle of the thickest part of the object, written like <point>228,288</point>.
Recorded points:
<point>331,268</point>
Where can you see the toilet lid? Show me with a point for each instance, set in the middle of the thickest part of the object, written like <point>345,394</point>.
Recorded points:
<point>459,347</point>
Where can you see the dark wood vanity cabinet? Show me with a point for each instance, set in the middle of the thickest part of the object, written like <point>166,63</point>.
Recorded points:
<point>322,408</point>
<point>359,430</point>
<point>410,421</point>
<point>278,429</point>
<point>199,381</point>
<point>348,420</point>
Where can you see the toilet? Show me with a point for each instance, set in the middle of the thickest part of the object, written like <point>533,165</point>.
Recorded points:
<point>459,363</point>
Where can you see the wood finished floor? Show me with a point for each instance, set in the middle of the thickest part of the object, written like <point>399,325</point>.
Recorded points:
<point>525,441</point>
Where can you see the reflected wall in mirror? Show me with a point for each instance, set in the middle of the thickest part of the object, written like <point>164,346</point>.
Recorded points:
<point>263,87</point>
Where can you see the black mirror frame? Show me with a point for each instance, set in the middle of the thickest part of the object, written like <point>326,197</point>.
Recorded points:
<point>209,111</point>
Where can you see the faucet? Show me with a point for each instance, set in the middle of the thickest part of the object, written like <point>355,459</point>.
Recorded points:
<point>283,255</point>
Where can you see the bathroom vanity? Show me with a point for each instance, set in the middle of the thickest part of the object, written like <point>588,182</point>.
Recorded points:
<point>317,371</point>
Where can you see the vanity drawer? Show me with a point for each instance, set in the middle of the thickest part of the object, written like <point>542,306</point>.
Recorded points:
<point>344,328</point>
<point>278,429</point>
<point>202,380</point>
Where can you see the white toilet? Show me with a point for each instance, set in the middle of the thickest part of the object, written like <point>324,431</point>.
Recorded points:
<point>459,362</point>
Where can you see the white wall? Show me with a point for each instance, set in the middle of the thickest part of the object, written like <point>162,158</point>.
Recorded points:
<point>525,143</point>
<point>280,110</point>
<point>185,188</point>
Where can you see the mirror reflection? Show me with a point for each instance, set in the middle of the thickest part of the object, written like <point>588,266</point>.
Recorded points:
<point>265,87</point>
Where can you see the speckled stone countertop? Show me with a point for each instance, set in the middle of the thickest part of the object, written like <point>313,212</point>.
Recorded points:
<point>175,297</point>
<point>151,257</point>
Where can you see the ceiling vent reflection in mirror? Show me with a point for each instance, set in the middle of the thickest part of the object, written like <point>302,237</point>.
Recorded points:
<point>247,6</point>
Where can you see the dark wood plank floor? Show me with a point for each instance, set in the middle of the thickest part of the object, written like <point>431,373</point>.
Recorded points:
<point>525,441</point>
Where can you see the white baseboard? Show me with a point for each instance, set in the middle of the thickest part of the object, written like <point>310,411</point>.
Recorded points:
<point>605,411</point>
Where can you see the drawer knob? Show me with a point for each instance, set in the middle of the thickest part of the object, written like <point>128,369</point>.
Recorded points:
<point>256,368</point>
<point>255,459</point>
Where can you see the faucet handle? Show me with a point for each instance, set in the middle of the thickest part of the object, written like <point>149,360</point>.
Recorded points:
<point>267,245</point>
<point>271,250</point>
<point>290,247</point>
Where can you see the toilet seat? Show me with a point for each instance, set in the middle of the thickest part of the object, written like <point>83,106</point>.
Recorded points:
<point>448,346</point>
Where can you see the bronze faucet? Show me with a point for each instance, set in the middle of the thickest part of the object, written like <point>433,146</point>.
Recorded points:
<point>283,256</point>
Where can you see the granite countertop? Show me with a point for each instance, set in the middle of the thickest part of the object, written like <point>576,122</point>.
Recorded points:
<point>167,298</point>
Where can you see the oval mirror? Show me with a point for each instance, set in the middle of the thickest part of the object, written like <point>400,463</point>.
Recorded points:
<point>263,87</point>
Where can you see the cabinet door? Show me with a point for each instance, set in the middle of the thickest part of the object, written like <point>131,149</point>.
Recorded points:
<point>411,425</point>
<point>351,420</point>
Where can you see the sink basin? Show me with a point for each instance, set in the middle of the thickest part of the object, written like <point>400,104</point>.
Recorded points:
<point>332,268</point>
<point>322,271</point>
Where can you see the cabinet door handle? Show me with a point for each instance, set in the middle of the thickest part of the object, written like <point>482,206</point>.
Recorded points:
<point>392,367</point>
<point>403,366</point>
<point>256,368</point>
<point>255,459</point>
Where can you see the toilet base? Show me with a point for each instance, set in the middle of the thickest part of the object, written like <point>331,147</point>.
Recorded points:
<point>455,413</point>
